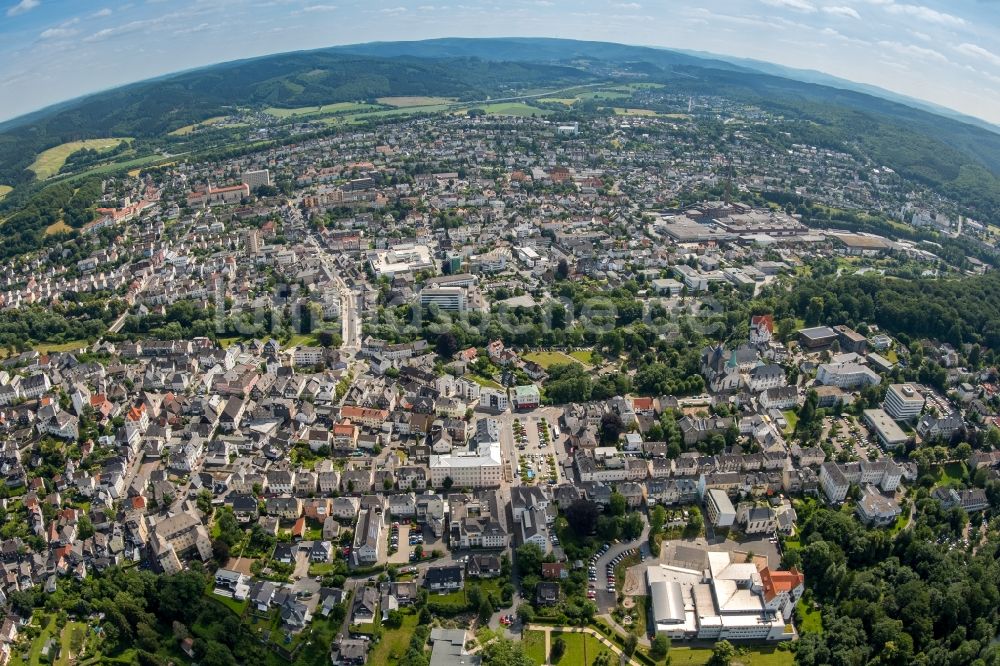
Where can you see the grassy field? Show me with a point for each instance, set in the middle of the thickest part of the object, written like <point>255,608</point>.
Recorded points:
<point>387,113</point>
<point>187,129</point>
<point>394,643</point>
<point>580,648</point>
<point>534,646</point>
<point>59,227</point>
<point>303,340</point>
<point>548,359</point>
<point>339,107</point>
<point>5,190</point>
<point>568,101</point>
<point>793,419</point>
<point>513,109</point>
<point>622,111</point>
<point>485,381</point>
<point>812,620</point>
<point>682,655</point>
<point>951,474</point>
<point>602,95</point>
<point>403,102</point>
<point>50,161</point>
<point>49,347</point>
<point>127,164</point>
<point>71,642</point>
<point>584,356</point>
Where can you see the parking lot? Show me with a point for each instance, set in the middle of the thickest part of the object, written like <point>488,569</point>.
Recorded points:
<point>401,556</point>
<point>535,450</point>
<point>602,586</point>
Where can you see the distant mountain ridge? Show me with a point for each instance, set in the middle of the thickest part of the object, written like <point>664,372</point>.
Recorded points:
<point>955,155</point>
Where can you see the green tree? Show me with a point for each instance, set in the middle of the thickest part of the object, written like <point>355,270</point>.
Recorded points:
<point>558,650</point>
<point>504,652</point>
<point>659,647</point>
<point>722,654</point>
<point>617,504</point>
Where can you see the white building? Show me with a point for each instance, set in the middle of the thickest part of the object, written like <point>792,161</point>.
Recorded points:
<point>727,599</point>
<point>482,469</point>
<point>719,508</point>
<point>903,402</point>
<point>405,258</point>
<point>254,179</point>
<point>450,299</point>
<point>847,375</point>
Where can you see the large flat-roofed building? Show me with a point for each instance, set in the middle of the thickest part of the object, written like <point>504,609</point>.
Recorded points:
<point>457,280</point>
<point>481,469</point>
<point>817,337</point>
<point>683,229</point>
<point>847,375</point>
<point>772,223</point>
<point>405,258</point>
<point>903,402</point>
<point>255,179</point>
<point>728,599</point>
<point>850,340</point>
<point>889,434</point>
<point>450,299</point>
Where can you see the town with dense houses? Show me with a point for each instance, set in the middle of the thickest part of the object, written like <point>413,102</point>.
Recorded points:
<point>465,378</point>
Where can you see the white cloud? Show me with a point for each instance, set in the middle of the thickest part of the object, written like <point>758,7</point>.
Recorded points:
<point>979,53</point>
<point>393,10</point>
<point>319,8</point>
<point>913,51</point>
<point>22,7</point>
<point>108,33</point>
<point>201,27</point>
<point>795,5</point>
<point>847,12</point>
<point>101,13</point>
<point>926,14</point>
<point>628,5</point>
<point>59,33</point>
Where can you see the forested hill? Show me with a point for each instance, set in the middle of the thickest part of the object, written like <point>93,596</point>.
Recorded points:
<point>153,108</point>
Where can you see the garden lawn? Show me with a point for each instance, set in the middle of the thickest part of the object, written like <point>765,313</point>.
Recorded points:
<point>71,642</point>
<point>580,648</point>
<point>548,359</point>
<point>683,655</point>
<point>534,646</point>
<point>793,419</point>
<point>951,474</point>
<point>812,620</point>
<point>394,642</point>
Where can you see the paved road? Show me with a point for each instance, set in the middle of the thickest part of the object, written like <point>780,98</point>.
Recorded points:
<point>350,321</point>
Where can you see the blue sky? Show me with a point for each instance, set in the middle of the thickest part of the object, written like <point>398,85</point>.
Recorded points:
<point>943,52</point>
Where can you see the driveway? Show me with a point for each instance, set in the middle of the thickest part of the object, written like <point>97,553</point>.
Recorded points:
<point>301,563</point>
<point>402,556</point>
